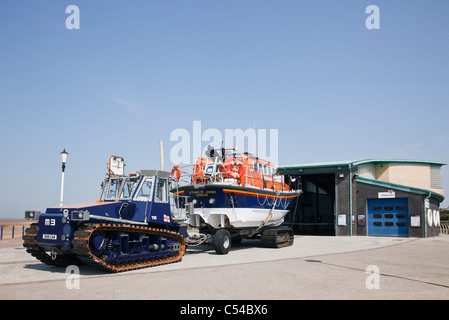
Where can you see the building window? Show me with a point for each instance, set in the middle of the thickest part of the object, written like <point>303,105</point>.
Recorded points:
<point>435,177</point>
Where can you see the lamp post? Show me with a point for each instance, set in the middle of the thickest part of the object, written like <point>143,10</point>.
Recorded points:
<point>64,155</point>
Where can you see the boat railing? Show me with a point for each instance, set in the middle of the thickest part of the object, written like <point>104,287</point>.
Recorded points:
<point>209,172</point>
<point>178,207</point>
<point>180,203</point>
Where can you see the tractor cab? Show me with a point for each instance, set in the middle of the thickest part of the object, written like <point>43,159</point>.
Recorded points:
<point>141,196</point>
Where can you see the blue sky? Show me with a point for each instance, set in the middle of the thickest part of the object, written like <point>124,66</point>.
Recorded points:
<point>137,70</point>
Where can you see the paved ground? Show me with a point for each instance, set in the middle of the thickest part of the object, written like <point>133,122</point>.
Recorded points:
<point>313,268</point>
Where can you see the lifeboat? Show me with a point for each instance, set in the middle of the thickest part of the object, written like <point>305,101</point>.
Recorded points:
<point>237,192</point>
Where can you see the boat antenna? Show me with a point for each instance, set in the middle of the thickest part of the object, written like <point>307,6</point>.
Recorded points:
<point>255,133</point>
<point>223,151</point>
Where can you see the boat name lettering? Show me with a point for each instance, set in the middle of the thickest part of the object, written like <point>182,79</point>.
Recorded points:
<point>201,193</point>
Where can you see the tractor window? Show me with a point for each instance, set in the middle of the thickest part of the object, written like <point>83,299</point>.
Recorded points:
<point>161,191</point>
<point>144,193</point>
<point>128,188</point>
<point>111,192</point>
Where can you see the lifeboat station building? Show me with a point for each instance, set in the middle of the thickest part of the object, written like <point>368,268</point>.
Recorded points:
<point>366,198</point>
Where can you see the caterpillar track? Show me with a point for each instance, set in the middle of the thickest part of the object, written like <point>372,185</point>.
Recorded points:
<point>85,252</point>
<point>277,237</point>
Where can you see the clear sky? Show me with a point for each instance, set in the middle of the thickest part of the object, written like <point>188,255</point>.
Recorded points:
<point>137,70</point>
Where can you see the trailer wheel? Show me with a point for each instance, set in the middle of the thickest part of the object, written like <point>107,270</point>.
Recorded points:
<point>222,241</point>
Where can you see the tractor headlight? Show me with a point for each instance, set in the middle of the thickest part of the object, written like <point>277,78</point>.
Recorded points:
<point>32,215</point>
<point>80,215</point>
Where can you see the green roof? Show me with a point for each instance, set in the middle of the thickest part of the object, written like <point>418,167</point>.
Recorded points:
<point>396,186</point>
<point>340,164</point>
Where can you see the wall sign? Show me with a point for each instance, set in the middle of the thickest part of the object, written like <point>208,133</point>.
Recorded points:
<point>415,221</point>
<point>385,195</point>
<point>341,220</point>
<point>361,220</point>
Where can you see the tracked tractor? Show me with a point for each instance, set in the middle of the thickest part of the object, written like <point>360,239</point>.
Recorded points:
<point>129,227</point>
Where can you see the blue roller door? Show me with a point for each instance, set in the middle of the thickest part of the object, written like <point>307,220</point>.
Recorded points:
<point>388,217</point>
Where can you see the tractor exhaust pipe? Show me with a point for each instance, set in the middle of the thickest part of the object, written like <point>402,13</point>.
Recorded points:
<point>161,150</point>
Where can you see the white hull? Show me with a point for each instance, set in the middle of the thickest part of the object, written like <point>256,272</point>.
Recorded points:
<point>236,217</point>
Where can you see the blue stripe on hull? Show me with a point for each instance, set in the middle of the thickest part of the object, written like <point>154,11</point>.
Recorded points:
<point>213,196</point>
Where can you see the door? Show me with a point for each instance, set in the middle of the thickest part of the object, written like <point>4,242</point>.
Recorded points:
<point>388,217</point>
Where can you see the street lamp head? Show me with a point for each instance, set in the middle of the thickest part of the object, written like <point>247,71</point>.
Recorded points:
<point>64,155</point>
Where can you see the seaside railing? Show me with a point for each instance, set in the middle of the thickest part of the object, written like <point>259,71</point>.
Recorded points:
<point>14,231</point>
<point>444,227</point>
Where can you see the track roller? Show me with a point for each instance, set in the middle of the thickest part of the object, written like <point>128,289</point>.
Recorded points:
<point>277,237</point>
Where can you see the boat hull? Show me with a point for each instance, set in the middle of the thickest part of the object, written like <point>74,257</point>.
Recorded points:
<point>231,206</point>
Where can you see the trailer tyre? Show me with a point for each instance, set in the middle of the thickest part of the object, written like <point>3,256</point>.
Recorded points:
<point>222,241</point>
